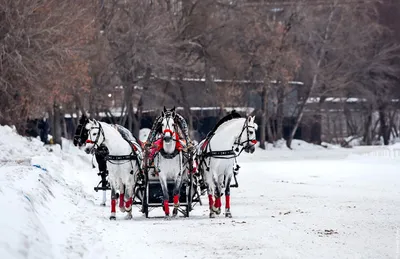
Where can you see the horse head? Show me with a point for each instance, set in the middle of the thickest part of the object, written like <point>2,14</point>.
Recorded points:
<point>95,136</point>
<point>247,137</point>
<point>168,129</point>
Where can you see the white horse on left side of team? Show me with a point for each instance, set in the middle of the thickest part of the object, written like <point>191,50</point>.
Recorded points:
<point>121,163</point>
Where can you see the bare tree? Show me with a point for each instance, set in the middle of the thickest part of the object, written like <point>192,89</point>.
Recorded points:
<point>331,47</point>
<point>41,44</point>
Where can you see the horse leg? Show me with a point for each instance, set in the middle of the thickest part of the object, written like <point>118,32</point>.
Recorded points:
<point>128,201</point>
<point>103,175</point>
<point>211,202</point>
<point>164,187</point>
<point>121,198</point>
<point>104,198</point>
<point>113,203</point>
<point>208,177</point>
<point>176,193</point>
<point>228,213</point>
<point>217,205</point>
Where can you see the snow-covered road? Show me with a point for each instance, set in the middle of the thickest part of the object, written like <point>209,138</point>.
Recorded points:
<point>312,203</point>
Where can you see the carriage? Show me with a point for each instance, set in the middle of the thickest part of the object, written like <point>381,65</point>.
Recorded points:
<point>170,178</point>
<point>151,194</point>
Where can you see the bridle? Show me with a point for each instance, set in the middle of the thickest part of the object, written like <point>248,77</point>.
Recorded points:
<point>95,142</point>
<point>169,127</point>
<point>247,144</point>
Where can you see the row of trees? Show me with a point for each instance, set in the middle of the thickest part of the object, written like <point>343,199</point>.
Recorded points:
<point>63,57</point>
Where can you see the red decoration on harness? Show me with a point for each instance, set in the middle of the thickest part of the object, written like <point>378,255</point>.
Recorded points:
<point>166,207</point>
<point>89,141</point>
<point>134,147</point>
<point>218,202</point>
<point>254,142</point>
<point>210,200</point>
<point>128,204</point>
<point>176,199</point>
<point>113,204</point>
<point>121,200</point>
<point>178,145</point>
<point>227,201</point>
<point>204,145</point>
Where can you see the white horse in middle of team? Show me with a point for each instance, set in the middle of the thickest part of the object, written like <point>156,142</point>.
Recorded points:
<point>168,161</point>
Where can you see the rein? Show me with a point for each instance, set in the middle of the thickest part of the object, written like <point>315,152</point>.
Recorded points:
<point>101,131</point>
<point>245,143</point>
<point>112,158</point>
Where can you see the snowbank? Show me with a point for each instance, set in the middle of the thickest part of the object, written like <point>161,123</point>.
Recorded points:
<point>40,191</point>
<point>310,208</point>
<point>302,150</point>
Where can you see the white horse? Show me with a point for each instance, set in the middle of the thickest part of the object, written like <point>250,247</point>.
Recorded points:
<point>168,162</point>
<point>218,157</point>
<point>123,162</point>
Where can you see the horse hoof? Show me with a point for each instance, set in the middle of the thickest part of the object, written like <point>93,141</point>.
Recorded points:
<point>228,215</point>
<point>122,209</point>
<point>113,218</point>
<point>175,212</point>
<point>216,210</point>
<point>212,215</point>
<point>102,204</point>
<point>129,216</point>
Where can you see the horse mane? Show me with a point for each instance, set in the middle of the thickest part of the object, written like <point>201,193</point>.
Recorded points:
<point>224,120</point>
<point>228,123</point>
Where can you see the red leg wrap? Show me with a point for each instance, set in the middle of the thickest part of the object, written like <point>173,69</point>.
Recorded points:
<point>121,200</point>
<point>210,200</point>
<point>176,199</point>
<point>218,202</point>
<point>166,207</point>
<point>227,201</point>
<point>113,205</point>
<point>128,203</point>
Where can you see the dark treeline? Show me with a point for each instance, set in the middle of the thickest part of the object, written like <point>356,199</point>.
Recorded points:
<point>330,68</point>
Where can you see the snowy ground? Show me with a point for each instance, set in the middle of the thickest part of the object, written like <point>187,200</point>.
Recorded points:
<point>310,202</point>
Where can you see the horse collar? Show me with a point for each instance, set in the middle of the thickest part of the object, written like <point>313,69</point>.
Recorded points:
<point>167,155</point>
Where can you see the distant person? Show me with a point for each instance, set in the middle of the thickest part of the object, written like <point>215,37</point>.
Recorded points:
<point>44,129</point>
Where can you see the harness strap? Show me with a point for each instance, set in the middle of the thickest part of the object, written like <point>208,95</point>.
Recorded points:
<point>169,156</point>
<point>220,153</point>
<point>118,158</point>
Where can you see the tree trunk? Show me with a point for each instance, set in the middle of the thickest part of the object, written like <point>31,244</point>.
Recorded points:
<point>316,130</point>
<point>130,115</point>
<point>321,57</point>
<point>384,128</point>
<point>209,82</point>
<point>299,116</point>
<point>56,124</point>
<point>186,106</point>
<point>367,138</point>
<point>138,118</point>
<point>280,113</point>
<point>264,117</point>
